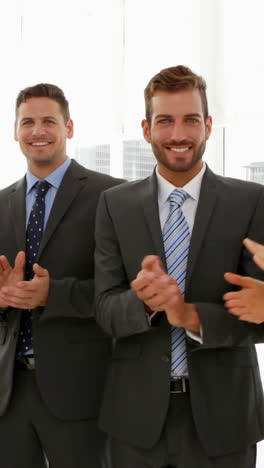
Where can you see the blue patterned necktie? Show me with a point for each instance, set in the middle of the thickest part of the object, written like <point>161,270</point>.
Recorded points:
<point>33,237</point>
<point>176,239</point>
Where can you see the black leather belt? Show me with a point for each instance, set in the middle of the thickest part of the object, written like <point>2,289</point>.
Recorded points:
<point>179,385</point>
<point>26,362</point>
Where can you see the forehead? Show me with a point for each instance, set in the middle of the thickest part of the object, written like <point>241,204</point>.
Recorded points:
<point>39,107</point>
<point>182,102</point>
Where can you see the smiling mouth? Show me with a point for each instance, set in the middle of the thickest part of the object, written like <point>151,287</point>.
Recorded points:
<point>39,143</point>
<point>181,149</point>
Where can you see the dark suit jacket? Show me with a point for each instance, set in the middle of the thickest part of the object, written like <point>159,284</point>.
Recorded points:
<point>225,388</point>
<point>71,351</point>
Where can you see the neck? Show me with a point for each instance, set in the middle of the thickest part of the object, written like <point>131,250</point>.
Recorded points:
<point>179,179</point>
<point>42,171</point>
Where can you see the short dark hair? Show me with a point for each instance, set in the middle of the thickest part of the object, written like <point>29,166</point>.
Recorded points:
<point>172,80</point>
<point>45,90</point>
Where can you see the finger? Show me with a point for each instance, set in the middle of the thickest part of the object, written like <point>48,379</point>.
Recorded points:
<point>17,302</point>
<point>150,262</point>
<point>39,271</point>
<point>161,284</point>
<point>231,295</point>
<point>142,280</point>
<point>253,247</point>
<point>28,286</point>
<point>20,261</point>
<point>154,288</point>
<point>15,293</point>
<point>259,261</point>
<point>236,311</point>
<point>234,303</point>
<point>243,281</point>
<point>145,294</point>
<point>257,251</point>
<point>5,265</point>
<point>164,299</point>
<point>157,267</point>
<point>250,318</point>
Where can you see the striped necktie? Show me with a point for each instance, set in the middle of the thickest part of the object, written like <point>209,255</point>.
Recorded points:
<point>176,239</point>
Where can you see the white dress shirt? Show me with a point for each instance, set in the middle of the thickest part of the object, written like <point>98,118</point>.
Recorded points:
<point>189,208</point>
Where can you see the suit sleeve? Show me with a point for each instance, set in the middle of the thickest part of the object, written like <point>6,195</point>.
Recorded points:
<point>118,310</point>
<point>69,298</point>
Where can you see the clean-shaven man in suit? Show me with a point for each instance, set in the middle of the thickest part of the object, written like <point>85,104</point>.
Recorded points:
<point>53,355</point>
<point>183,388</point>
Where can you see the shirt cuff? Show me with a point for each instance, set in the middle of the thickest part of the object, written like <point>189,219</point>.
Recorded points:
<point>198,337</point>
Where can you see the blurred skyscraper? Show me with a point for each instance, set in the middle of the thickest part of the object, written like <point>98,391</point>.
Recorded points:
<point>138,159</point>
<point>95,157</point>
<point>255,172</point>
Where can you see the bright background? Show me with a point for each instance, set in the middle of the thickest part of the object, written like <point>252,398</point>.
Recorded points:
<point>102,54</point>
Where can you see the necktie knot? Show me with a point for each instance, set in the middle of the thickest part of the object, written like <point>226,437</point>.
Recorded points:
<point>178,197</point>
<point>42,186</point>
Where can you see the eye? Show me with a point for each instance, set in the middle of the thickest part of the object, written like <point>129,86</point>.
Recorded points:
<point>164,121</point>
<point>192,120</point>
<point>25,123</point>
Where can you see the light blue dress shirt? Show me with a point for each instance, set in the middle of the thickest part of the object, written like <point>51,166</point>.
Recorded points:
<point>55,179</point>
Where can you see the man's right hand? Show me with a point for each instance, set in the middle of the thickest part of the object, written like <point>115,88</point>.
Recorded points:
<point>10,276</point>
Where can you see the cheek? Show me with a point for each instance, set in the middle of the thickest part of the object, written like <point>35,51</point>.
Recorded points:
<point>160,135</point>
<point>199,136</point>
<point>20,137</point>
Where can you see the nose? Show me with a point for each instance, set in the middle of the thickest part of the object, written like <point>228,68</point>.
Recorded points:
<point>178,132</point>
<point>38,130</point>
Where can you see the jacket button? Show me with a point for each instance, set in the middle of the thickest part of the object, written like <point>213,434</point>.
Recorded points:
<point>165,358</point>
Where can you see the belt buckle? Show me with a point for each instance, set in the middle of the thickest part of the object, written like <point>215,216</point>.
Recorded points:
<point>28,362</point>
<point>183,384</point>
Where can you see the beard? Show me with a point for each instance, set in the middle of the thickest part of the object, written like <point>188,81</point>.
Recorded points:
<point>179,164</point>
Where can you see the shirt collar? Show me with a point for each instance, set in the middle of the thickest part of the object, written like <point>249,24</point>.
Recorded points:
<point>192,188</point>
<point>54,178</point>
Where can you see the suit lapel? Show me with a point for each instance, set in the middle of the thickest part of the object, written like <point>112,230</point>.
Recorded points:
<point>68,190</point>
<point>149,199</point>
<point>18,213</point>
<point>207,199</point>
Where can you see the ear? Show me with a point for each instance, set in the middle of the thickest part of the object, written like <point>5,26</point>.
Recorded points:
<point>146,130</point>
<point>208,126</point>
<point>15,131</point>
<point>69,127</point>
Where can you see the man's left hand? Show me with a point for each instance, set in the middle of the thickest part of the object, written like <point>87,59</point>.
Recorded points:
<point>28,294</point>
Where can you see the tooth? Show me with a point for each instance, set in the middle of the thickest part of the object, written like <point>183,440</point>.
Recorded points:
<point>179,150</point>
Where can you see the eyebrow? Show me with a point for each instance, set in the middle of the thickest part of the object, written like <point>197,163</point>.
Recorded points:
<point>165,116</point>
<point>45,117</point>
<point>194,114</point>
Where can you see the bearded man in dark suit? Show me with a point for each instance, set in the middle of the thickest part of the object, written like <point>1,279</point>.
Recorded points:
<point>183,389</point>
